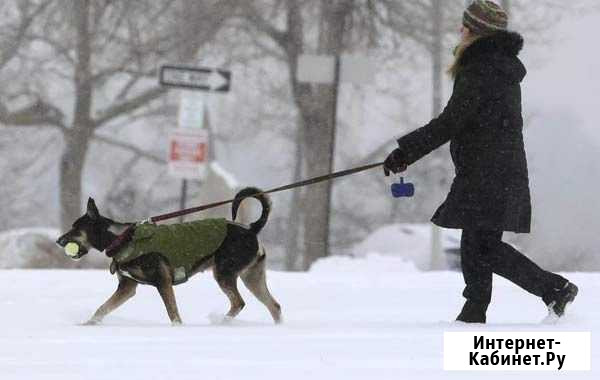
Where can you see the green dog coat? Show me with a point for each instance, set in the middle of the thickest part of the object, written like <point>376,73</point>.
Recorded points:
<point>183,244</point>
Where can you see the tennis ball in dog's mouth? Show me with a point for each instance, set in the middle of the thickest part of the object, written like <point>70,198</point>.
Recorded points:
<point>72,249</point>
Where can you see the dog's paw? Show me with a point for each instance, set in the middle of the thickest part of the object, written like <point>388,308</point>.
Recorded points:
<point>219,319</point>
<point>91,322</point>
<point>176,323</point>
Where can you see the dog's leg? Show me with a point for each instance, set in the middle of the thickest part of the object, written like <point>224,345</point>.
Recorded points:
<point>255,279</point>
<point>165,289</point>
<point>228,284</point>
<point>125,291</point>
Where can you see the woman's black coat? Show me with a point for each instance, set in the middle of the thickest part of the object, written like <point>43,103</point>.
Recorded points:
<point>483,123</point>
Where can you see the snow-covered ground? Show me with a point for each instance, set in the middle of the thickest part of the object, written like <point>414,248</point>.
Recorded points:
<point>372,318</point>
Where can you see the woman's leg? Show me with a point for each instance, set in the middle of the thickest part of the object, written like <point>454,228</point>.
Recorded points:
<point>478,278</point>
<point>504,260</point>
<point>484,252</point>
<point>476,271</point>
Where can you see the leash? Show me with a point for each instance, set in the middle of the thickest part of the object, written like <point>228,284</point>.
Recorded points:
<point>306,182</point>
<point>112,249</point>
<point>115,245</point>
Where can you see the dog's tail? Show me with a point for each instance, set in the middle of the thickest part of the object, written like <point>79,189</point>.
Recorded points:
<point>253,192</point>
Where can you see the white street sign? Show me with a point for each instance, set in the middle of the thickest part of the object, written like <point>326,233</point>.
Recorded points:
<point>188,153</point>
<point>316,68</point>
<point>191,110</point>
<point>354,68</point>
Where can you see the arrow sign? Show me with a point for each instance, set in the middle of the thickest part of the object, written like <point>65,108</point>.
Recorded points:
<point>195,78</point>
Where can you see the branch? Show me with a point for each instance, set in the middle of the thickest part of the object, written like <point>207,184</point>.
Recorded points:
<point>128,106</point>
<point>130,147</point>
<point>38,114</point>
<point>26,19</point>
<point>252,15</point>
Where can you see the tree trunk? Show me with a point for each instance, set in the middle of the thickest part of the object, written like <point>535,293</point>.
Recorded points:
<point>316,104</point>
<point>77,138</point>
<point>437,261</point>
<point>292,251</point>
<point>318,116</point>
<point>71,171</point>
<point>317,145</point>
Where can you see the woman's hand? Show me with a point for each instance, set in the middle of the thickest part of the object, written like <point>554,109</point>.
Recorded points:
<point>395,163</point>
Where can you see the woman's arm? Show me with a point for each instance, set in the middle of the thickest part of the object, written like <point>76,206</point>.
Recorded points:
<point>467,97</point>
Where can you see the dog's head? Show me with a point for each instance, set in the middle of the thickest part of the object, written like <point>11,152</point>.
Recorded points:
<point>89,231</point>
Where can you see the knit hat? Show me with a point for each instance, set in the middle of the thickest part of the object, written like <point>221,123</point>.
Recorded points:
<point>484,17</point>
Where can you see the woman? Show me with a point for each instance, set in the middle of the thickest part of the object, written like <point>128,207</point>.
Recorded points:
<point>490,193</point>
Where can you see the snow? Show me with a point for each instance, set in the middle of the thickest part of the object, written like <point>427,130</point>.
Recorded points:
<point>9,236</point>
<point>562,143</point>
<point>228,177</point>
<point>409,241</point>
<point>565,68</point>
<point>385,322</point>
<point>36,248</point>
<point>362,265</point>
<point>19,245</point>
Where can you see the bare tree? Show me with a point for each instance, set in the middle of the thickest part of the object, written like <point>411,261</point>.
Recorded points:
<point>337,25</point>
<point>108,52</point>
<point>296,27</point>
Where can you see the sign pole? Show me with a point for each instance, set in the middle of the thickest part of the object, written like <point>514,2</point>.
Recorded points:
<point>182,200</point>
<point>209,140</point>
<point>189,144</point>
<point>336,85</point>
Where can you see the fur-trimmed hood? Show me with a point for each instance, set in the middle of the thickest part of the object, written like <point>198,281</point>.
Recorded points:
<point>499,50</point>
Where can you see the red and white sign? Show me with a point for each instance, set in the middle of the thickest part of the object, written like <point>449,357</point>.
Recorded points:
<point>188,153</point>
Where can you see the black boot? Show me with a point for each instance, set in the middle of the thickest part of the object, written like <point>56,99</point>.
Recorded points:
<point>558,299</point>
<point>473,312</point>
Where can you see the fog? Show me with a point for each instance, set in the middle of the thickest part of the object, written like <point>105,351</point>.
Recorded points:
<point>256,129</point>
<point>563,143</point>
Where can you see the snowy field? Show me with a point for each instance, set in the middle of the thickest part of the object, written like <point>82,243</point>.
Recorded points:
<point>347,319</point>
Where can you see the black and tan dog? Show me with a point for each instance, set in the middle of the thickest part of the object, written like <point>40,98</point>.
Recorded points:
<point>238,255</point>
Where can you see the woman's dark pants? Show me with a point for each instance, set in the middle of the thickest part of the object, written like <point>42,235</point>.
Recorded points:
<point>483,252</point>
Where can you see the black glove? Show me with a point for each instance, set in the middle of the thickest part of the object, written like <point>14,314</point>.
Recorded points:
<point>395,163</point>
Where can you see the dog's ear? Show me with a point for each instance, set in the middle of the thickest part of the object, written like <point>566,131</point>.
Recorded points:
<point>92,210</point>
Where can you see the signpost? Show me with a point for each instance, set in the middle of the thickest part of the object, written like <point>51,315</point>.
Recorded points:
<point>189,144</point>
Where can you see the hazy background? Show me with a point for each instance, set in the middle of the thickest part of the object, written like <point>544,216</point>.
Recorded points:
<point>47,119</point>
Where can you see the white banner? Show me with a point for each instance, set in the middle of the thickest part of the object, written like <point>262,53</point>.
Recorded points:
<point>517,351</point>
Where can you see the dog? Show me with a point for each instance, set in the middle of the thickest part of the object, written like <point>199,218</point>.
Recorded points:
<point>238,253</point>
